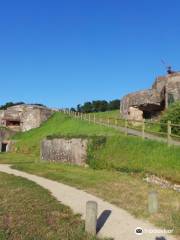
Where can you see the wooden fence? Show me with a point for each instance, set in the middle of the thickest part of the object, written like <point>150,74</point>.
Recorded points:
<point>146,129</point>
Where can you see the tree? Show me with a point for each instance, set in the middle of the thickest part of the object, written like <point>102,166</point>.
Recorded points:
<point>114,104</point>
<point>87,107</point>
<point>79,108</point>
<point>10,104</point>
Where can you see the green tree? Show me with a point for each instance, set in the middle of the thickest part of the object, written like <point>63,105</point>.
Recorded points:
<point>87,107</point>
<point>10,104</point>
<point>114,104</point>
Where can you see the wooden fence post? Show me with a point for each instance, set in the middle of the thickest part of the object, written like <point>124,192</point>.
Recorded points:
<point>152,202</point>
<point>169,133</point>
<point>108,122</point>
<point>143,128</point>
<point>91,217</point>
<point>126,125</point>
<point>94,118</point>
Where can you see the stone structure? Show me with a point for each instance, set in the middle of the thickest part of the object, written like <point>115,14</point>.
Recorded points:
<point>65,150</point>
<point>149,103</point>
<point>5,143</point>
<point>24,117</point>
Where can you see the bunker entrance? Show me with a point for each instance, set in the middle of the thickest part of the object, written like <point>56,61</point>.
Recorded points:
<point>4,147</point>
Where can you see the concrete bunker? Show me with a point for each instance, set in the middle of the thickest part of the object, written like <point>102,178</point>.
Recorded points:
<point>24,117</point>
<point>164,91</point>
<point>72,150</point>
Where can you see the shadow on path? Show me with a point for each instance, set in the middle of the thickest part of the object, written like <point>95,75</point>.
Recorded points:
<point>102,219</point>
<point>160,238</point>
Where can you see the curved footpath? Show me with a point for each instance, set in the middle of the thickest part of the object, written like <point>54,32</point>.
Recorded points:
<point>119,225</point>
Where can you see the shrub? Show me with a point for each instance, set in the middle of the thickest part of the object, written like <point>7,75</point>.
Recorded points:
<point>171,114</point>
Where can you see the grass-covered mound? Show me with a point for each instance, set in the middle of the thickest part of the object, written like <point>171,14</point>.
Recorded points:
<point>112,150</point>
<point>58,124</point>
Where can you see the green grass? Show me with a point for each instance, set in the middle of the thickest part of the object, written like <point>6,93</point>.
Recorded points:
<point>119,163</point>
<point>29,212</point>
<point>125,190</point>
<point>29,142</point>
<point>131,154</point>
<point>107,114</point>
<point>122,153</point>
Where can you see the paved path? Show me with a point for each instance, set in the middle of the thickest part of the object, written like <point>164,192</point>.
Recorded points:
<point>120,225</point>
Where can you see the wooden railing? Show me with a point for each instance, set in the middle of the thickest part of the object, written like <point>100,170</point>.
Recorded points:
<point>144,128</point>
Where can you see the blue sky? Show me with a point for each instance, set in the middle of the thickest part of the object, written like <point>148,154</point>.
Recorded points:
<point>65,52</point>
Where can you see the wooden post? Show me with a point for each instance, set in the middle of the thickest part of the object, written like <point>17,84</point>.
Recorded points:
<point>116,122</point>
<point>169,133</point>
<point>89,118</point>
<point>91,217</point>
<point>108,122</point>
<point>143,129</point>
<point>94,118</point>
<point>152,202</point>
<point>126,127</point>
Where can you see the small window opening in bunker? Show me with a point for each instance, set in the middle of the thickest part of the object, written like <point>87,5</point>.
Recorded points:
<point>4,147</point>
<point>13,123</point>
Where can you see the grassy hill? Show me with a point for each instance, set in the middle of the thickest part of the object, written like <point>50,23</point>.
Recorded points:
<point>117,167</point>
<point>123,153</point>
<point>58,124</point>
<point>108,114</point>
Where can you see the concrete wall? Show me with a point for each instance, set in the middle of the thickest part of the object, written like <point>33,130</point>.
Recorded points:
<point>5,134</point>
<point>33,117</point>
<point>152,102</point>
<point>29,116</point>
<point>62,150</point>
<point>173,89</point>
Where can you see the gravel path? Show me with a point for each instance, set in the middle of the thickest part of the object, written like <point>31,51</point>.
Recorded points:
<point>119,224</point>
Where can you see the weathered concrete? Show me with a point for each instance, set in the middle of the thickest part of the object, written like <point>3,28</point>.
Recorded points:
<point>151,102</point>
<point>65,150</point>
<point>135,113</point>
<point>5,135</point>
<point>24,117</point>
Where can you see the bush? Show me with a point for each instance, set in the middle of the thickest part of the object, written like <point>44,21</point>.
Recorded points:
<point>171,114</point>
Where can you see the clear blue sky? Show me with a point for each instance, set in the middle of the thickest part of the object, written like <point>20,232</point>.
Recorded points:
<point>65,52</point>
